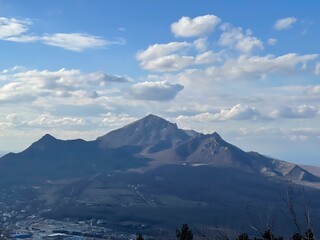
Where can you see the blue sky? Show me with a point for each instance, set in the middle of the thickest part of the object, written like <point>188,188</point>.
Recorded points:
<point>247,69</point>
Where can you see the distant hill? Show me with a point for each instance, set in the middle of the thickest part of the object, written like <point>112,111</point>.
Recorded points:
<point>151,172</point>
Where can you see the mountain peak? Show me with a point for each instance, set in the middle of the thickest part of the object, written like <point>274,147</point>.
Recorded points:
<point>154,119</point>
<point>148,131</point>
<point>150,116</point>
<point>47,137</point>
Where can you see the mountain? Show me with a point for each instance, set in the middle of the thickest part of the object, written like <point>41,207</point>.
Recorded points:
<point>152,173</point>
<point>151,132</point>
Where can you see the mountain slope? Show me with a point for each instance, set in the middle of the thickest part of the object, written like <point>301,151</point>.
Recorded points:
<point>150,171</point>
<point>151,132</point>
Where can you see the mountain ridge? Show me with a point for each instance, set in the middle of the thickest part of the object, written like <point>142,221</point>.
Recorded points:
<point>156,138</point>
<point>150,172</point>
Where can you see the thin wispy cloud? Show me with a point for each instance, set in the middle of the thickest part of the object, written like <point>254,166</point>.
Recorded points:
<point>16,30</point>
<point>284,23</point>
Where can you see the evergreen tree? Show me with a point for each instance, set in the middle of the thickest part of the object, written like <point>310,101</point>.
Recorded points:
<point>139,237</point>
<point>243,236</point>
<point>309,235</point>
<point>296,236</point>
<point>268,235</point>
<point>185,233</point>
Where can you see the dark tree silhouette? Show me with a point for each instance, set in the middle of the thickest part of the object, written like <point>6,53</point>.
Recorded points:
<point>243,236</point>
<point>139,237</point>
<point>268,235</point>
<point>297,236</point>
<point>185,233</point>
<point>309,235</point>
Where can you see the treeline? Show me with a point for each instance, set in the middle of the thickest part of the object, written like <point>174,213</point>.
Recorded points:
<point>185,233</point>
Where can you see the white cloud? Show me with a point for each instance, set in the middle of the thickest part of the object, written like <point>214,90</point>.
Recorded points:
<point>168,63</point>
<point>201,44</point>
<point>207,58</point>
<point>165,57</point>
<point>10,27</point>
<point>74,41</point>
<point>15,92</point>
<point>293,134</point>
<point>155,91</point>
<point>116,120</point>
<point>317,69</point>
<point>233,37</point>
<point>46,120</point>
<point>272,41</point>
<point>173,56</point>
<point>21,85</point>
<point>249,67</point>
<point>302,111</point>
<point>23,38</point>
<point>313,90</point>
<point>16,30</point>
<point>43,120</point>
<point>284,23</point>
<point>160,50</point>
<point>5,126</point>
<point>196,27</point>
<point>237,112</point>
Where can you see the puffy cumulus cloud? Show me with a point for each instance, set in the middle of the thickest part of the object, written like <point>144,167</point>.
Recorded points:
<point>284,23</point>
<point>237,112</point>
<point>16,30</point>
<point>11,120</point>
<point>10,27</point>
<point>302,111</point>
<point>116,120</point>
<point>196,27</point>
<point>172,57</point>
<point>15,92</point>
<point>155,91</point>
<point>20,85</point>
<point>235,37</point>
<point>160,50</point>
<point>46,120</point>
<point>250,67</point>
<point>208,57</point>
<point>168,63</point>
